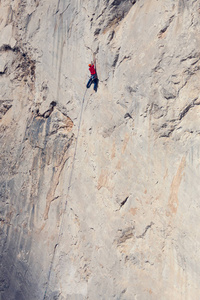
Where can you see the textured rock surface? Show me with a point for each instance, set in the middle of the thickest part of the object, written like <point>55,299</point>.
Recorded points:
<point>110,211</point>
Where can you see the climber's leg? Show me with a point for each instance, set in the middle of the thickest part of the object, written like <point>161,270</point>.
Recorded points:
<point>89,83</point>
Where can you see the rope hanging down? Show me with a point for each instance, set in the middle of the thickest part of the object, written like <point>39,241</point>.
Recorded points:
<point>69,186</point>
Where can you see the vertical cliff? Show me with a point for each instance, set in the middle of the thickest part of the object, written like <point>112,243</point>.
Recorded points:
<point>99,198</point>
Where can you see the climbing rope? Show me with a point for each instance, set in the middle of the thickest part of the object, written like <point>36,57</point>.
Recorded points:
<point>69,186</point>
<point>73,161</point>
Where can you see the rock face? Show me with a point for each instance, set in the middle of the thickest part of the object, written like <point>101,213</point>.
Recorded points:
<point>100,199</point>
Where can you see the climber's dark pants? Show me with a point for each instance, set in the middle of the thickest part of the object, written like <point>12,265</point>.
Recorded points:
<point>93,79</point>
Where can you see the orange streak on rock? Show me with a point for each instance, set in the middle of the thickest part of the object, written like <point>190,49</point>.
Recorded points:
<point>173,198</point>
<point>126,139</point>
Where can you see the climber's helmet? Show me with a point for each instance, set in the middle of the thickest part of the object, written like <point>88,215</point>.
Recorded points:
<point>89,65</point>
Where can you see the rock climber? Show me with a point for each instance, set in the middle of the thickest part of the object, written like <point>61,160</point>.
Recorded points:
<point>93,78</point>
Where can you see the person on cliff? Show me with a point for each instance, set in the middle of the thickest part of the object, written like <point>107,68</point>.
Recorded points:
<point>93,77</point>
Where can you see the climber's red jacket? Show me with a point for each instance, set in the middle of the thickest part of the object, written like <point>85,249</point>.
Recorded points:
<point>92,70</point>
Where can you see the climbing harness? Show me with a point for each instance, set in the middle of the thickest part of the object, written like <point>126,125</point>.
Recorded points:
<point>69,186</point>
